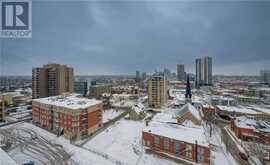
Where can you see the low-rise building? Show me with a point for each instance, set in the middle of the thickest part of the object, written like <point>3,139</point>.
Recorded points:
<point>222,100</point>
<point>178,133</point>
<point>235,111</point>
<point>177,141</point>
<point>208,111</point>
<point>96,91</point>
<point>188,112</point>
<point>249,129</point>
<point>71,115</point>
<point>137,112</point>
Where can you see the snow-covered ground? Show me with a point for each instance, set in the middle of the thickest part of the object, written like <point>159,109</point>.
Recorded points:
<point>119,144</point>
<point>78,155</point>
<point>110,114</point>
<point>122,142</point>
<point>219,155</point>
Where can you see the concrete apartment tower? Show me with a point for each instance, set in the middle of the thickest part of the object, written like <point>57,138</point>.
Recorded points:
<point>204,71</point>
<point>181,74</point>
<point>52,80</point>
<point>157,90</point>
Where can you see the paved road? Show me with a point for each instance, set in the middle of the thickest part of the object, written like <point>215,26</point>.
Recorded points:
<point>14,122</point>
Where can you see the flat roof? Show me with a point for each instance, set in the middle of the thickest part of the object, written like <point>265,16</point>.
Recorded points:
<point>71,101</point>
<point>237,109</point>
<point>178,132</point>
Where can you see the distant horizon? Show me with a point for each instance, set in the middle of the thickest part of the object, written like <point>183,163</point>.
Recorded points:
<point>148,74</point>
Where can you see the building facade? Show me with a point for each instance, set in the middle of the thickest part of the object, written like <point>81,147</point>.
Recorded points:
<point>70,115</point>
<point>96,91</point>
<point>181,74</point>
<point>157,91</point>
<point>80,87</point>
<point>52,80</point>
<point>265,76</point>
<point>204,71</point>
<point>164,139</point>
<point>248,128</point>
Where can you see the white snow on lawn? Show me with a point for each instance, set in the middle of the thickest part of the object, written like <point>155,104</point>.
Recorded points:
<point>110,114</point>
<point>219,154</point>
<point>122,141</point>
<point>79,155</point>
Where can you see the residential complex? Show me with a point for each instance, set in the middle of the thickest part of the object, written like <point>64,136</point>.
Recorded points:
<point>52,80</point>
<point>157,90</point>
<point>203,71</point>
<point>71,115</point>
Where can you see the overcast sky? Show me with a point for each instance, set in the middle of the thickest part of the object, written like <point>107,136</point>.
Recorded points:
<point>120,37</point>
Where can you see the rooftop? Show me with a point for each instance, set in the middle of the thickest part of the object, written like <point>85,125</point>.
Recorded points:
<point>178,132</point>
<point>69,101</point>
<point>237,109</point>
<point>189,108</point>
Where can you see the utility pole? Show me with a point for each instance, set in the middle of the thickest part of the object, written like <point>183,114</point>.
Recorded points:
<point>3,108</point>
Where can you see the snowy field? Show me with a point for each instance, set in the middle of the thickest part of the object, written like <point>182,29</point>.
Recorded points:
<point>110,114</point>
<point>122,142</point>
<point>78,155</point>
<point>119,144</point>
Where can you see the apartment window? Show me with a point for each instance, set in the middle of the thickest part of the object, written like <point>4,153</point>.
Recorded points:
<point>177,148</point>
<point>156,140</point>
<point>189,151</point>
<point>200,154</point>
<point>166,143</point>
<point>148,143</point>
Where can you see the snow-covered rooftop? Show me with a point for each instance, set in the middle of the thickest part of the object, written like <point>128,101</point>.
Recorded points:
<point>237,109</point>
<point>189,108</point>
<point>178,132</point>
<point>245,122</point>
<point>138,108</point>
<point>164,117</point>
<point>69,101</point>
<point>251,123</point>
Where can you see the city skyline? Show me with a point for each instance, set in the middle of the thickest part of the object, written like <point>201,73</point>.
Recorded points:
<point>97,38</point>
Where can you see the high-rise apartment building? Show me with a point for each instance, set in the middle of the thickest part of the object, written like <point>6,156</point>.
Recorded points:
<point>52,80</point>
<point>265,76</point>
<point>181,74</point>
<point>138,77</point>
<point>204,71</point>
<point>157,90</point>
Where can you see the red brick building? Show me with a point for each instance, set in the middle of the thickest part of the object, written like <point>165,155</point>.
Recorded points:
<point>249,129</point>
<point>177,141</point>
<point>73,116</point>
